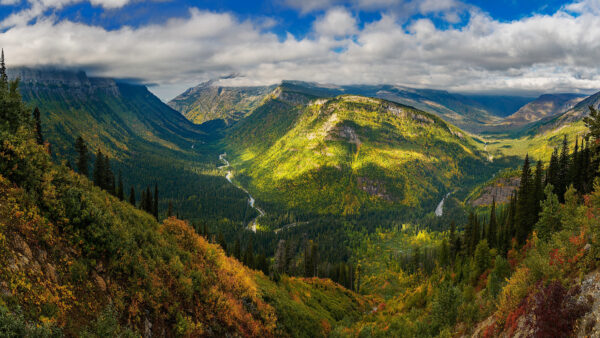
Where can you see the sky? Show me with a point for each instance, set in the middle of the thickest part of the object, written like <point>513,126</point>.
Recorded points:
<point>472,46</point>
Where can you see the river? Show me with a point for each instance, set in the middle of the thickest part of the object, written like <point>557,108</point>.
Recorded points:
<point>251,201</point>
<point>439,211</point>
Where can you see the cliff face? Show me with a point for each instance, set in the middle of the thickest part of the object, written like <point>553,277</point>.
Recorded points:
<point>36,82</point>
<point>500,191</point>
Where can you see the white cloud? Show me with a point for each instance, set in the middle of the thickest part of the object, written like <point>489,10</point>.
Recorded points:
<point>38,7</point>
<point>336,22</point>
<point>556,52</point>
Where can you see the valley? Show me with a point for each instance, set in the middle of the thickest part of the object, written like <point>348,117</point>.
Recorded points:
<point>309,191</point>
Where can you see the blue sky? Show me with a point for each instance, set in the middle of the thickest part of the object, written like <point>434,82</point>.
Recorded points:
<point>466,46</point>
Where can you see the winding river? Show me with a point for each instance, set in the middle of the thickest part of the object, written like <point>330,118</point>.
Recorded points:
<point>251,201</point>
<point>439,211</point>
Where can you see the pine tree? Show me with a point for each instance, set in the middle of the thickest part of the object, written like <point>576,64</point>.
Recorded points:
<point>132,196</point>
<point>38,126</point>
<point>155,206</point>
<point>537,194</point>
<point>575,168</point>
<point>3,75</point>
<point>120,192</point>
<point>493,226</point>
<point>523,203</point>
<point>454,242</point>
<point>108,176</point>
<point>99,170</point>
<point>83,158</point>
<point>563,164</point>
<point>552,176</point>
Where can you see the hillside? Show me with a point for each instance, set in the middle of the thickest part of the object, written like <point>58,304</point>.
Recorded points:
<point>208,101</point>
<point>351,154</point>
<point>146,140</point>
<point>545,106</point>
<point>79,262</point>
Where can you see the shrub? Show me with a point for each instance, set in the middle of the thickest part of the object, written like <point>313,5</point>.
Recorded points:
<point>556,310</point>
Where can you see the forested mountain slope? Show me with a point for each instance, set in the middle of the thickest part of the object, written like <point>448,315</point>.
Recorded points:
<point>149,142</point>
<point>77,261</point>
<point>351,154</point>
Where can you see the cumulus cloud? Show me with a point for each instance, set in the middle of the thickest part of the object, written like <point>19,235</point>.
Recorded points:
<point>540,53</point>
<point>336,22</point>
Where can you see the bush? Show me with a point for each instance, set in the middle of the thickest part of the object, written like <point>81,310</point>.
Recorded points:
<point>556,310</point>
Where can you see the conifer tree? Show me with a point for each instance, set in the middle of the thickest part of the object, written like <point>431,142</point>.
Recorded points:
<point>132,196</point>
<point>38,126</point>
<point>83,158</point>
<point>552,176</point>
<point>563,170</point>
<point>148,206</point>
<point>3,75</point>
<point>537,194</point>
<point>99,170</point>
<point>575,169</point>
<point>454,245</point>
<point>522,217</point>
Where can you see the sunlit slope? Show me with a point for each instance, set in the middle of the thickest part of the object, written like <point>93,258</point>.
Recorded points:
<point>351,154</point>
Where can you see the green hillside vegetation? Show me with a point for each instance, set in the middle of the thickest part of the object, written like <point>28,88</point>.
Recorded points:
<point>518,271</point>
<point>145,140</point>
<point>80,262</point>
<point>351,154</point>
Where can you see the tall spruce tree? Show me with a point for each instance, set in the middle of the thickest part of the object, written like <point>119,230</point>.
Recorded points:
<point>3,75</point>
<point>563,165</point>
<point>523,221</point>
<point>38,126</point>
<point>552,176</point>
<point>99,170</point>
<point>149,201</point>
<point>83,157</point>
<point>537,193</point>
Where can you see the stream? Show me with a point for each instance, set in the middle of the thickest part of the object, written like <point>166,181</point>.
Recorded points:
<point>251,201</point>
<point>439,211</point>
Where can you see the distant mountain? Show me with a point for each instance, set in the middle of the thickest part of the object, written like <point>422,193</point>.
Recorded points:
<point>581,110</point>
<point>209,101</point>
<point>350,154</point>
<point>147,140</point>
<point>547,105</point>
